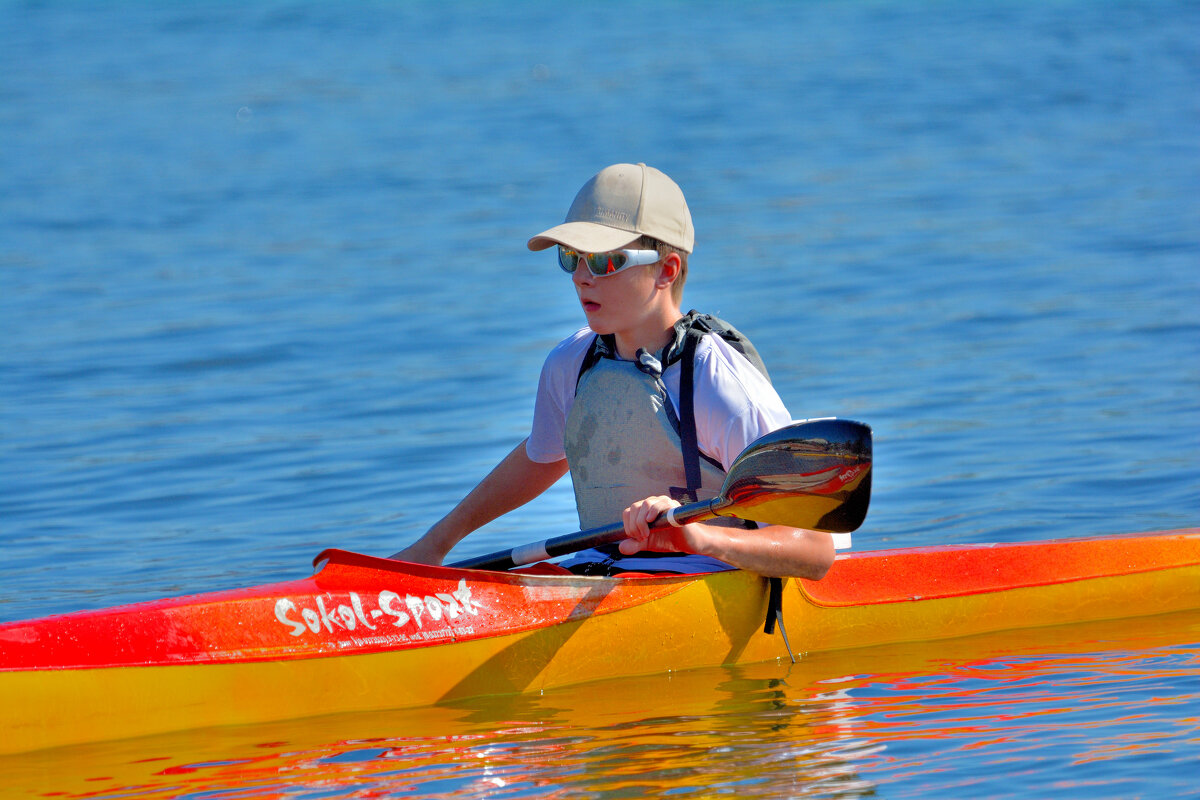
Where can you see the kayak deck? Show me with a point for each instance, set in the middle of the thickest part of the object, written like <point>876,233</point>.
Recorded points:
<point>366,633</point>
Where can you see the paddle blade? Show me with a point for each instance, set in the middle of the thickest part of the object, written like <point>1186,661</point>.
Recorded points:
<point>814,474</point>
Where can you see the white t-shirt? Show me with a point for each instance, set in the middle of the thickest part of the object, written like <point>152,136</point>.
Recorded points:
<point>734,403</point>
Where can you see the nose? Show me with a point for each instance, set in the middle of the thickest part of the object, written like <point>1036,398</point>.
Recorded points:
<point>582,276</point>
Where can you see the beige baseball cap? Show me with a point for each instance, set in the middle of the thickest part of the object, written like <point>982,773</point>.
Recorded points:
<point>619,205</point>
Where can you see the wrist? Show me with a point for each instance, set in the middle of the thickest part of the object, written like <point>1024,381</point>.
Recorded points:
<point>704,540</point>
<point>442,536</point>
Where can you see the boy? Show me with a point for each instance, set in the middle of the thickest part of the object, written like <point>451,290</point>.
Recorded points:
<point>636,437</point>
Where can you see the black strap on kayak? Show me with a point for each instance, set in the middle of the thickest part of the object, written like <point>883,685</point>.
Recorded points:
<point>775,613</point>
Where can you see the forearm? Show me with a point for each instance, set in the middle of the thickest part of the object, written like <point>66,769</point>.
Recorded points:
<point>515,481</point>
<point>773,551</point>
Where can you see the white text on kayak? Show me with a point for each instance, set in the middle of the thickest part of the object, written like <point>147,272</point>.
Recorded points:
<point>389,608</point>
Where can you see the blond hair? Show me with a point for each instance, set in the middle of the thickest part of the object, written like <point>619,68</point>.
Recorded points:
<point>665,250</point>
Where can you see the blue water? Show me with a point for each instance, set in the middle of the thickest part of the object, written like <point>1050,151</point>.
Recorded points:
<point>263,284</point>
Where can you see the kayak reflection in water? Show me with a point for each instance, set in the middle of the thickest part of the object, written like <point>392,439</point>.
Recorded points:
<point>646,406</point>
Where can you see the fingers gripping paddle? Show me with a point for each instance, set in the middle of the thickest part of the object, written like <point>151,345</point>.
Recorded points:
<point>814,475</point>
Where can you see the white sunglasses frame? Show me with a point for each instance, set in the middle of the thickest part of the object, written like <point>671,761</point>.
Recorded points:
<point>634,258</point>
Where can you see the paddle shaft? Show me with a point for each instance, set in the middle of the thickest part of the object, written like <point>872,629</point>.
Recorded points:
<point>582,540</point>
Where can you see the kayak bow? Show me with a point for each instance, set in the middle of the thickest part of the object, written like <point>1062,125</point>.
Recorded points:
<point>367,633</point>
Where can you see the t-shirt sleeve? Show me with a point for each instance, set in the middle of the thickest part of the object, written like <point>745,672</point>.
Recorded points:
<point>555,395</point>
<point>735,405</point>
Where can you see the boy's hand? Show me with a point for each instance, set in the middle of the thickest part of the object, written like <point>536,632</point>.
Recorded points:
<point>774,550</point>
<point>638,519</point>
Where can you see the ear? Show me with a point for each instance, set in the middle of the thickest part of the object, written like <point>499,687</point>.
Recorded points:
<point>668,271</point>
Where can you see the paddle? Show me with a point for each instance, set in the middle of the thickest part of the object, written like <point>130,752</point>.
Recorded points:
<point>814,475</point>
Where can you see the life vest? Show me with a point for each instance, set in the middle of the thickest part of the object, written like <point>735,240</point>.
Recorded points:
<point>623,440</point>
<point>688,331</point>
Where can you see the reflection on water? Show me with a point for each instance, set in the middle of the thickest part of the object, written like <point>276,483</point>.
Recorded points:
<point>1056,701</point>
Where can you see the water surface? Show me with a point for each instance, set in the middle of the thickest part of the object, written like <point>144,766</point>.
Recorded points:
<point>263,290</point>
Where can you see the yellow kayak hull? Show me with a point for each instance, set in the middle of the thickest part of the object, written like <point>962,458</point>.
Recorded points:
<point>539,632</point>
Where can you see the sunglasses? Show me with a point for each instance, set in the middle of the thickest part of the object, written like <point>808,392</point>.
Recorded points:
<point>601,265</point>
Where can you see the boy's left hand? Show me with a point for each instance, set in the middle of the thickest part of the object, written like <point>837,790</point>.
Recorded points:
<point>639,518</point>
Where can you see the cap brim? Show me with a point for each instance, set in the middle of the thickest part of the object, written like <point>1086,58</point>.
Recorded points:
<point>586,237</point>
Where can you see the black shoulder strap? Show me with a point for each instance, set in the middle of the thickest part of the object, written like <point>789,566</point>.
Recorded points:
<point>674,350</point>
<point>687,413</point>
<point>689,330</point>
<point>603,346</point>
<point>707,323</point>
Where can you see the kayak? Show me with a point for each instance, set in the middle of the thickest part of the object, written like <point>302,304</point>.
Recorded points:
<point>367,633</point>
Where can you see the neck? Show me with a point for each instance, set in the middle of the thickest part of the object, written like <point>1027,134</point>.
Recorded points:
<point>652,335</point>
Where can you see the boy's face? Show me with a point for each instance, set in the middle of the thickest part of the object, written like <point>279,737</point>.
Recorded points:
<point>619,302</point>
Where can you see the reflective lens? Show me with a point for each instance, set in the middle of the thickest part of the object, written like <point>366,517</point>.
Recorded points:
<point>605,264</point>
